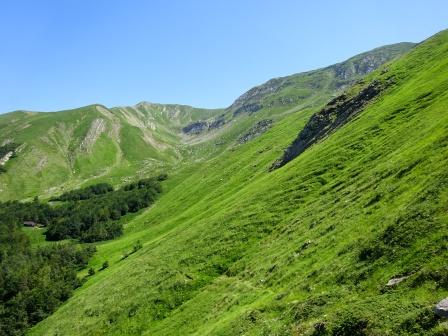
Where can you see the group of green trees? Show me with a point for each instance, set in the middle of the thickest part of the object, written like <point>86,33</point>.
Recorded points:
<point>88,214</point>
<point>34,281</point>
<point>84,193</point>
<point>92,214</point>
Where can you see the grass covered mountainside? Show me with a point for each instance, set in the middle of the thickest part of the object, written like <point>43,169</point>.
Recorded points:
<point>59,151</point>
<point>231,247</point>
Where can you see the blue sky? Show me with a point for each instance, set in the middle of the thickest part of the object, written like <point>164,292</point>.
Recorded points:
<point>63,54</point>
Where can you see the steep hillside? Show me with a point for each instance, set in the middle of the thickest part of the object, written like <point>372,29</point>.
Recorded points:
<point>307,249</point>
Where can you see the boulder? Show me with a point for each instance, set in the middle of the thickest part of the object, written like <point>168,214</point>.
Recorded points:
<point>441,308</point>
<point>396,281</point>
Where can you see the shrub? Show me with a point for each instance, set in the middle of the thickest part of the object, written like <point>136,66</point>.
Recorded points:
<point>320,329</point>
<point>162,177</point>
<point>423,321</point>
<point>137,246</point>
<point>105,265</point>
<point>351,326</point>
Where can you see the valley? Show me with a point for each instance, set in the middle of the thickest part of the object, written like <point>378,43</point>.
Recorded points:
<point>290,212</point>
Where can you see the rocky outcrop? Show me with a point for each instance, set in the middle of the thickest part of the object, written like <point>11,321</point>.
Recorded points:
<point>196,127</point>
<point>360,67</point>
<point>248,108</point>
<point>365,63</point>
<point>7,152</point>
<point>217,123</point>
<point>396,281</point>
<point>201,126</point>
<point>97,127</point>
<point>6,158</point>
<point>250,101</point>
<point>259,128</point>
<point>338,112</point>
<point>441,308</point>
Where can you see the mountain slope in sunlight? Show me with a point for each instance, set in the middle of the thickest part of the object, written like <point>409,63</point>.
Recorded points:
<point>307,249</point>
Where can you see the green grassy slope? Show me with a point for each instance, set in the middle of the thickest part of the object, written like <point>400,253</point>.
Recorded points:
<point>66,149</point>
<point>231,249</point>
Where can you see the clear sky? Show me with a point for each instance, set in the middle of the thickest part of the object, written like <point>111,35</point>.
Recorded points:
<point>60,54</point>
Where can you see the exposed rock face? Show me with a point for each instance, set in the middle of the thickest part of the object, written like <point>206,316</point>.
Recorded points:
<point>248,108</point>
<point>259,128</point>
<point>363,66</point>
<point>97,127</point>
<point>6,158</point>
<point>7,151</point>
<point>338,112</point>
<point>441,308</point>
<point>219,122</point>
<point>250,99</point>
<point>200,126</point>
<point>195,127</point>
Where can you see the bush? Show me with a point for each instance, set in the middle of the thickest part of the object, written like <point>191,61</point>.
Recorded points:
<point>105,265</point>
<point>351,326</point>
<point>420,323</point>
<point>372,252</point>
<point>162,177</point>
<point>137,246</point>
<point>320,329</point>
<point>91,271</point>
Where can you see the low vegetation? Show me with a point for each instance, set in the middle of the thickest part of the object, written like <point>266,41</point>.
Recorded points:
<point>34,282</point>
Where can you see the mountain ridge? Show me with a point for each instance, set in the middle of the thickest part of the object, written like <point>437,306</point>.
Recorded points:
<point>165,134</point>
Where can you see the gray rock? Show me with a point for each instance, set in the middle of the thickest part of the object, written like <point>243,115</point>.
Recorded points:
<point>441,308</point>
<point>256,130</point>
<point>196,127</point>
<point>217,123</point>
<point>396,281</point>
<point>201,126</point>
